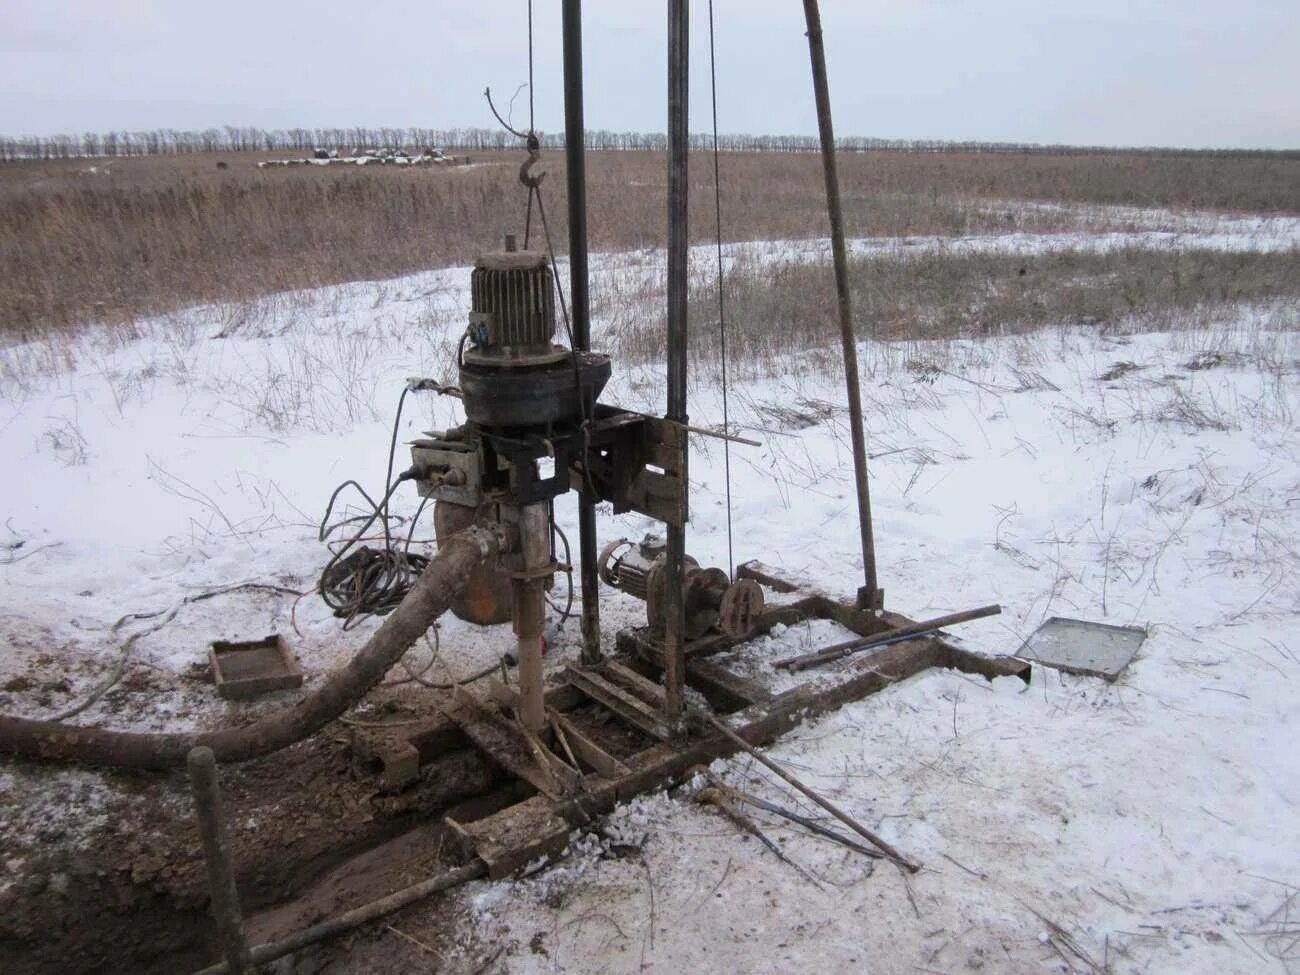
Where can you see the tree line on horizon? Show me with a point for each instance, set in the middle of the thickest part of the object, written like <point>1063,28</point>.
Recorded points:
<point>230,138</point>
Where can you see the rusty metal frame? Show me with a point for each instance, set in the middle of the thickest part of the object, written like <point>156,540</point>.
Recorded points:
<point>539,825</point>
<point>507,840</point>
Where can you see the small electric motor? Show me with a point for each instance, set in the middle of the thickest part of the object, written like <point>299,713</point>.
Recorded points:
<point>512,374</point>
<point>710,598</point>
<point>512,310</point>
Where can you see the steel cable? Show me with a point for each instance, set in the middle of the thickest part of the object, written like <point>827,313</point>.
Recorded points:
<point>722,315</point>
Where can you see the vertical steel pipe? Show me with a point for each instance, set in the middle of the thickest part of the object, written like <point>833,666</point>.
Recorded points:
<point>216,852</point>
<point>871,596</point>
<point>534,558</point>
<point>678,242</point>
<point>576,174</point>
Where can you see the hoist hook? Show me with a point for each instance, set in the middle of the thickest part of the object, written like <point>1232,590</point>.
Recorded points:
<point>534,157</point>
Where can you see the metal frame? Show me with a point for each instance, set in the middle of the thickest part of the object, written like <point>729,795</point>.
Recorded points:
<point>870,596</point>
<point>575,779</point>
<point>674,661</point>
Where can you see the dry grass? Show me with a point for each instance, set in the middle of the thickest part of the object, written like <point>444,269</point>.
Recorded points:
<point>777,309</point>
<point>144,235</point>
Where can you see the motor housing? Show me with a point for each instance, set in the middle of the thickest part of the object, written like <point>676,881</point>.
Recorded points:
<point>711,600</point>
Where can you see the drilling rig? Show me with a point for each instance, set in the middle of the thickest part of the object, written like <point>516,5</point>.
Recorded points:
<point>585,736</point>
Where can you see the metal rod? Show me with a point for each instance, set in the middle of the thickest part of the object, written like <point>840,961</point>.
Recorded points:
<point>216,852</point>
<point>871,597</point>
<point>907,864</point>
<point>723,802</point>
<point>575,163</point>
<point>837,650</point>
<point>678,242</point>
<point>809,824</point>
<point>590,579</point>
<point>576,174</point>
<point>358,916</point>
<point>706,432</point>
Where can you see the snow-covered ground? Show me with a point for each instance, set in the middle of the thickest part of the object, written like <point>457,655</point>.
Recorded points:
<point>1149,825</point>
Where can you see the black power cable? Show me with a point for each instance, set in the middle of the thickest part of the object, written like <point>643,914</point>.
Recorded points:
<point>371,581</point>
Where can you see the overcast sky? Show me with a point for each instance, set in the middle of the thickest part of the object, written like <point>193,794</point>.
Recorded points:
<point>1125,72</point>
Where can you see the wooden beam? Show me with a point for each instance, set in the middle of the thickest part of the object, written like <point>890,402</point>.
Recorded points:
<point>720,685</point>
<point>587,750</point>
<point>628,707</point>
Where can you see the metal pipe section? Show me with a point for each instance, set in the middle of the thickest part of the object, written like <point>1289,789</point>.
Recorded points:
<point>678,242</point>
<point>530,608</point>
<point>216,852</point>
<point>871,596</point>
<point>576,174</point>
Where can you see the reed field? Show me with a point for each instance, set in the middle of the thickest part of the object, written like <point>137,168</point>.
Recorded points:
<point>115,240</point>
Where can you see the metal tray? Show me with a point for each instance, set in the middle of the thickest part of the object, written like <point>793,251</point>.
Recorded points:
<point>247,669</point>
<point>1081,647</point>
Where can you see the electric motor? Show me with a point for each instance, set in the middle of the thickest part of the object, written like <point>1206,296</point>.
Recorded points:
<point>710,599</point>
<point>512,374</point>
<point>512,310</point>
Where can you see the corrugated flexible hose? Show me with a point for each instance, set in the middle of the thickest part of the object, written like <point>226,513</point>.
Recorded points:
<point>428,599</point>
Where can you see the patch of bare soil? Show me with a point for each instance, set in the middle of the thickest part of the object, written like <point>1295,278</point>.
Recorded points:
<point>114,880</point>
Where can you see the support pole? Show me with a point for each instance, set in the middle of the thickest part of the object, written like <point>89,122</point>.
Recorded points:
<point>576,173</point>
<point>216,851</point>
<point>870,597</point>
<point>678,241</point>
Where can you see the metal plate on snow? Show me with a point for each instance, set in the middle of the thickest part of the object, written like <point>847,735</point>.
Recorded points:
<point>242,670</point>
<point>1080,647</point>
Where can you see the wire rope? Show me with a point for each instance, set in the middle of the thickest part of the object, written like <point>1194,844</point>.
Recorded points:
<point>722,316</point>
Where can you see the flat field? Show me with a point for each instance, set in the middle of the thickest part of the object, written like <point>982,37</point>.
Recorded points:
<point>116,240</point>
<point>1082,384</point>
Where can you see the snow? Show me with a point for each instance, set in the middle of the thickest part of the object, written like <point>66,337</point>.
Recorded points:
<point>1153,820</point>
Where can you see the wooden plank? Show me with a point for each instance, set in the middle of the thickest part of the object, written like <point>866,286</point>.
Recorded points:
<point>720,685</point>
<point>504,745</point>
<point>510,839</point>
<point>587,750</point>
<point>570,778</point>
<point>631,709</point>
<point>640,685</point>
